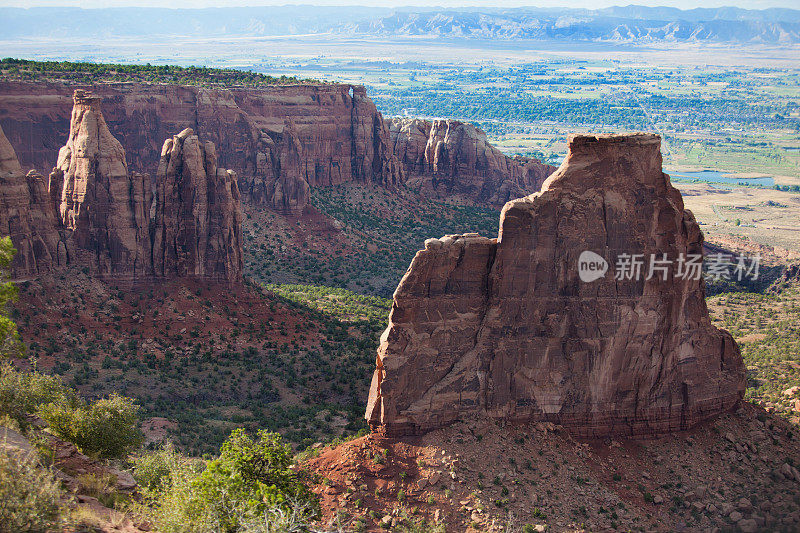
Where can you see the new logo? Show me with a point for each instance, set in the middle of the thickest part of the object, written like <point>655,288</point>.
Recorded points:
<point>591,266</point>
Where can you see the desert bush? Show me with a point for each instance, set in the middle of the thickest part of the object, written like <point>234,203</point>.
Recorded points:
<point>29,495</point>
<point>249,487</point>
<point>251,476</point>
<point>153,471</point>
<point>10,343</point>
<point>106,428</point>
<point>22,393</point>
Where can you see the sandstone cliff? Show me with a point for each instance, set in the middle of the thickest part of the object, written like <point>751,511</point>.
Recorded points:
<point>505,328</point>
<point>341,135</point>
<point>278,180</point>
<point>101,202</point>
<point>197,219</point>
<point>450,157</point>
<point>122,225</point>
<point>335,135</point>
<point>26,215</point>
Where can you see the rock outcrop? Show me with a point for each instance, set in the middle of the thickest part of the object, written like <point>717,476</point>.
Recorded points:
<point>197,216</point>
<point>27,216</point>
<point>341,134</point>
<point>505,327</point>
<point>449,157</point>
<point>278,181</point>
<point>123,225</point>
<point>337,135</point>
<point>101,202</point>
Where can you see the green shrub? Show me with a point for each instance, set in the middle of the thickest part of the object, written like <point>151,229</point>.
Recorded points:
<point>249,487</point>
<point>29,495</point>
<point>10,343</point>
<point>153,471</point>
<point>107,427</point>
<point>252,475</point>
<point>22,393</point>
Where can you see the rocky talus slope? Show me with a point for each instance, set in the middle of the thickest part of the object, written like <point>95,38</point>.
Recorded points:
<point>27,216</point>
<point>450,157</point>
<point>734,473</point>
<point>505,328</point>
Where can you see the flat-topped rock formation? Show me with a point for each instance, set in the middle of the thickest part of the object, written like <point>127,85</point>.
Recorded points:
<point>505,327</point>
<point>450,157</point>
<point>27,216</point>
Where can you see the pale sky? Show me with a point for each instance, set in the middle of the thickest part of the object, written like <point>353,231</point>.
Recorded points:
<point>682,4</point>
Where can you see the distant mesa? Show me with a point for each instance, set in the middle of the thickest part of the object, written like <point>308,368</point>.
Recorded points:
<point>504,328</point>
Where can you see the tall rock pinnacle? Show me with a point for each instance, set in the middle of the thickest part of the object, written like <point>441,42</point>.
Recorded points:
<point>100,201</point>
<point>505,327</point>
<point>197,217</point>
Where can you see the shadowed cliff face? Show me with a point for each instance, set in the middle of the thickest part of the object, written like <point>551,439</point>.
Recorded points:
<point>27,216</point>
<point>505,328</point>
<point>448,157</point>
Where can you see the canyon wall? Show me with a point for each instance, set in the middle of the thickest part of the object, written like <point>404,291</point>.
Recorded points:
<point>27,216</point>
<point>96,213</point>
<point>506,328</point>
<point>281,140</point>
<point>450,157</point>
<point>335,132</point>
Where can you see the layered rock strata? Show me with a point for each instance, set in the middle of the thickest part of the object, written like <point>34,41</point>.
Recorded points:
<point>196,227</point>
<point>279,181</point>
<point>449,157</point>
<point>505,327</point>
<point>101,202</point>
<point>340,133</point>
<point>27,216</point>
<point>336,135</point>
<point>126,226</point>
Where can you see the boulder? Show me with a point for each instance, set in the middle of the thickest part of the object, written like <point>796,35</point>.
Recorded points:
<point>506,328</point>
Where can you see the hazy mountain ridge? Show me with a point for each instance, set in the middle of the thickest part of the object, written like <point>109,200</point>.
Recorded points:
<point>582,25</point>
<point>616,24</point>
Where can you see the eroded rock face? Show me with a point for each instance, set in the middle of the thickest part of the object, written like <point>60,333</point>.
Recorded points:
<point>449,157</point>
<point>278,181</point>
<point>122,225</point>
<point>196,215</point>
<point>101,202</point>
<point>26,215</point>
<point>505,328</point>
<point>342,135</point>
